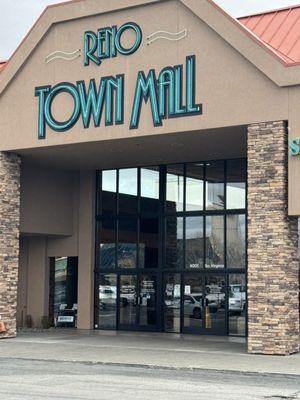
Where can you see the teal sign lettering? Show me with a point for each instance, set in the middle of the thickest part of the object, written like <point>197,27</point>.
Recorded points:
<point>102,102</point>
<point>294,146</point>
<point>107,43</point>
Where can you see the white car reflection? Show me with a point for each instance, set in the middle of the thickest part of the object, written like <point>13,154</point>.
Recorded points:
<point>107,297</point>
<point>237,298</point>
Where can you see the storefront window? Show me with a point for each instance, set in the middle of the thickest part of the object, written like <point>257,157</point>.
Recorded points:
<point>107,243</point>
<point>175,185</point>
<point>148,243</point>
<point>150,190</point>
<point>214,242</point>
<point>107,301</point>
<point>237,304</point>
<point>172,298</point>
<point>63,284</point>
<point>194,317</point>
<point>215,185</point>
<point>194,187</point>
<point>194,242</point>
<point>127,243</point>
<point>236,241</point>
<point>128,190</point>
<point>109,190</point>
<point>128,304</point>
<point>236,184</point>
<point>174,242</point>
<point>177,239</point>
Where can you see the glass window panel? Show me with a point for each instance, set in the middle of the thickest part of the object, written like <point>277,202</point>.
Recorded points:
<point>148,242</point>
<point>128,300</point>
<point>237,306</point>
<point>174,242</point>
<point>236,241</point>
<point>215,289</point>
<point>194,242</point>
<point>147,309</point>
<point>172,302</point>
<point>127,243</point>
<point>107,301</point>
<point>60,288</point>
<point>236,184</point>
<point>109,181</point>
<point>109,189</point>
<point>214,242</point>
<point>215,185</point>
<point>194,187</point>
<point>175,185</point>
<point>193,302</point>
<point>150,190</point>
<point>128,190</point>
<point>107,243</point>
<point>63,285</point>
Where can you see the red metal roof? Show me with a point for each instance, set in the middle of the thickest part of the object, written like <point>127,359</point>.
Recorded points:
<point>279,29</point>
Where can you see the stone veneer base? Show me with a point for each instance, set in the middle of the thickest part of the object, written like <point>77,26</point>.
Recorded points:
<point>273,265</point>
<point>9,239</point>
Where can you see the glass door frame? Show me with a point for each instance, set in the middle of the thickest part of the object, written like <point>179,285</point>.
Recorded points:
<point>162,268</point>
<point>137,326</point>
<point>203,330</point>
<point>203,273</point>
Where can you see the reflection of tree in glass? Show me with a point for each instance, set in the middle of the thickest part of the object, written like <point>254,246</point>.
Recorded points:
<point>236,241</point>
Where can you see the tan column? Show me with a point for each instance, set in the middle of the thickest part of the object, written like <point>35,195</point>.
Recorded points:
<point>273,303</point>
<point>9,240</point>
<point>86,249</point>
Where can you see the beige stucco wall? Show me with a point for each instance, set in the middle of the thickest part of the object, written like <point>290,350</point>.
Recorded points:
<point>47,200</point>
<point>294,162</point>
<point>232,90</point>
<point>36,248</point>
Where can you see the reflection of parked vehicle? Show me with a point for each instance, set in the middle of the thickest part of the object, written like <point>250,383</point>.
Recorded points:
<point>107,296</point>
<point>127,295</point>
<point>237,298</point>
<point>215,296</point>
<point>173,303</point>
<point>193,305</point>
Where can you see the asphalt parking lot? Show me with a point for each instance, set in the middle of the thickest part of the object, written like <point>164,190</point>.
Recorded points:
<point>48,380</point>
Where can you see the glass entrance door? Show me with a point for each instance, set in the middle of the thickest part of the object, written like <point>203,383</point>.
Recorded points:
<point>204,304</point>
<point>138,302</point>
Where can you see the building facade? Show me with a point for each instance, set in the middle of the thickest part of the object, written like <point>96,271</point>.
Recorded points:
<point>149,172</point>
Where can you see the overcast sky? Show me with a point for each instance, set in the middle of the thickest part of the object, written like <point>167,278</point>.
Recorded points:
<point>17,16</point>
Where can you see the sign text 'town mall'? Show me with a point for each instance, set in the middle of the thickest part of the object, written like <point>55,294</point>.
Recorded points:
<point>103,102</point>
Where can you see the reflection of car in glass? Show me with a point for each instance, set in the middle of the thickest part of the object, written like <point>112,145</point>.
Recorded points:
<point>237,298</point>
<point>127,295</point>
<point>107,296</point>
<point>215,296</point>
<point>193,305</point>
<point>173,302</point>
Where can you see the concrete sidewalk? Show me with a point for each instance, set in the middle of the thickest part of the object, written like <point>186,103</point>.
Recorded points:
<point>145,349</point>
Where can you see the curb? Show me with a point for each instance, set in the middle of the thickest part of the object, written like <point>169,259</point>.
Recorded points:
<point>159,367</point>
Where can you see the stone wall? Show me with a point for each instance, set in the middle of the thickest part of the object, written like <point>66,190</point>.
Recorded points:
<point>9,239</point>
<point>273,303</point>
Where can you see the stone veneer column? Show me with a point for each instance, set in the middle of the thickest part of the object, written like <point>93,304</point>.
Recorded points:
<point>9,239</point>
<point>273,303</point>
